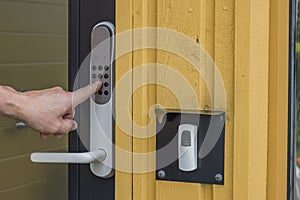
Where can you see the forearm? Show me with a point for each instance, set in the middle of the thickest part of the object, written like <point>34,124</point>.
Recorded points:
<point>10,103</point>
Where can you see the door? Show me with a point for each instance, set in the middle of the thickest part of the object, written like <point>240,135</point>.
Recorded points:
<point>91,146</point>
<point>83,17</point>
<point>248,42</point>
<point>155,73</point>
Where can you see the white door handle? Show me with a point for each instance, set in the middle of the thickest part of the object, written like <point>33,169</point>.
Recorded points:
<point>80,158</point>
<point>101,130</point>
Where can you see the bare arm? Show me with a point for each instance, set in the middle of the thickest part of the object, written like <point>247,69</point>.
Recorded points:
<point>49,111</point>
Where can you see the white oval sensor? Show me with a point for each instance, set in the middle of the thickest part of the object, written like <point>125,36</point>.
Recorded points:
<point>187,147</point>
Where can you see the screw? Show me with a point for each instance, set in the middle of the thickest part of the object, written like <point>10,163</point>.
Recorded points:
<point>161,174</point>
<point>219,177</point>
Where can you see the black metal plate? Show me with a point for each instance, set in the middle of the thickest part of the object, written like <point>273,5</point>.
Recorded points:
<point>209,165</point>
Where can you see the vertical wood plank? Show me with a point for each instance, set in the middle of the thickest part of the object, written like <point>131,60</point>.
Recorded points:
<point>278,104</point>
<point>237,38</point>
<point>184,18</point>
<point>143,99</point>
<point>251,99</point>
<point>224,59</point>
<point>196,20</point>
<point>123,179</point>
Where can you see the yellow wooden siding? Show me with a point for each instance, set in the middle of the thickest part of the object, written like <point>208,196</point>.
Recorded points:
<point>251,99</point>
<point>123,173</point>
<point>224,59</point>
<point>244,40</point>
<point>196,20</point>
<point>278,103</point>
<point>33,55</point>
<point>212,22</point>
<point>143,98</point>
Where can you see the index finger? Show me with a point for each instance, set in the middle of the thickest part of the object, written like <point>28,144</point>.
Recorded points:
<point>82,94</point>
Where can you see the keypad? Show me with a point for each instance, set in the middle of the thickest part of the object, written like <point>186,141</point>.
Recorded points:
<point>103,74</point>
<point>101,67</point>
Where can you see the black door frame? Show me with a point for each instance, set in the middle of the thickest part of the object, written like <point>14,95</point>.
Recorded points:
<point>83,16</point>
<point>291,101</point>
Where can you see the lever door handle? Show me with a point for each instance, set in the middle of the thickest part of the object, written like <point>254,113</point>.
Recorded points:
<point>79,158</point>
<point>101,124</point>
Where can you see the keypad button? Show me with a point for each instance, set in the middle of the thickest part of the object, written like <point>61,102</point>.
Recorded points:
<point>100,92</point>
<point>100,76</point>
<point>100,67</point>
<point>106,84</point>
<point>94,76</point>
<point>106,92</point>
<point>106,76</point>
<point>106,68</point>
<point>94,67</point>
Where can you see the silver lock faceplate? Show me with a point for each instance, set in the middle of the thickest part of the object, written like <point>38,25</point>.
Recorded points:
<point>101,104</point>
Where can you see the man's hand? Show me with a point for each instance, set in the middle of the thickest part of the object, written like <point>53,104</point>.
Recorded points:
<point>51,111</point>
